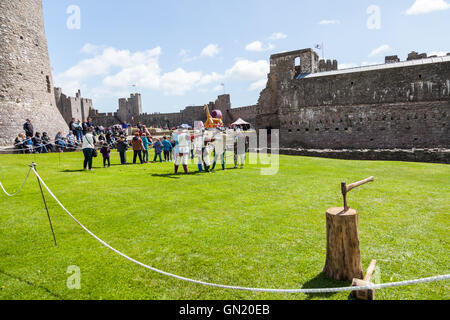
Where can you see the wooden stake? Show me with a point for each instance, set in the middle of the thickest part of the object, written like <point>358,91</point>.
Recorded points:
<point>365,294</point>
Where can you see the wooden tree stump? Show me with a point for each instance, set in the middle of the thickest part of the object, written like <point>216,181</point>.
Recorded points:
<point>343,261</point>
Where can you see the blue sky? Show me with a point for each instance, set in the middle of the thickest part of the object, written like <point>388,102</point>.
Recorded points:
<point>179,52</point>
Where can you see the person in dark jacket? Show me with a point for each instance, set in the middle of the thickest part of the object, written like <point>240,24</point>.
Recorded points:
<point>122,147</point>
<point>28,128</point>
<point>106,153</point>
<point>38,143</point>
<point>47,142</point>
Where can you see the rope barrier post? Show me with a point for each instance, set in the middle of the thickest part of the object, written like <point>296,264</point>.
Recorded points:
<point>33,165</point>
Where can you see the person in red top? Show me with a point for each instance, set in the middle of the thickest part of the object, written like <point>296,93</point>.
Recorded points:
<point>138,146</point>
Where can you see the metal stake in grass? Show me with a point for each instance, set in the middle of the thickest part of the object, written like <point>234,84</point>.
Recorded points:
<point>33,165</point>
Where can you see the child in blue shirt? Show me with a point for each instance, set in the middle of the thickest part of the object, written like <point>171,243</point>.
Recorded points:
<point>167,149</point>
<point>146,142</point>
<point>159,147</point>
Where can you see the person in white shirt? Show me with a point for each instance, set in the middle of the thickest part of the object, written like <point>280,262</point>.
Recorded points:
<point>182,149</point>
<point>88,148</point>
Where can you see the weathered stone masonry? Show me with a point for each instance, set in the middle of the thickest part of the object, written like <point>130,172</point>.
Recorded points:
<point>397,105</point>
<point>26,89</point>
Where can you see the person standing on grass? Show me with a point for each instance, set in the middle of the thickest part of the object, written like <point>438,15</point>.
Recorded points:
<point>28,128</point>
<point>146,143</point>
<point>122,147</point>
<point>88,148</point>
<point>106,153</point>
<point>159,147</point>
<point>239,149</point>
<point>167,149</point>
<point>182,149</point>
<point>137,145</point>
<point>219,150</point>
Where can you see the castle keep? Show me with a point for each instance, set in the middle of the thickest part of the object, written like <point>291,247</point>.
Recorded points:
<point>26,89</point>
<point>395,105</point>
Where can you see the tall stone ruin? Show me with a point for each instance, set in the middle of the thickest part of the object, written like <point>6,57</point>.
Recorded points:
<point>26,88</point>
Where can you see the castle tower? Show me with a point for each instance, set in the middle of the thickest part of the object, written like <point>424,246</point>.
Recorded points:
<point>26,88</point>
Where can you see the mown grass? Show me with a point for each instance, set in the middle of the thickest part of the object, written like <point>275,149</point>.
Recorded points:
<point>232,227</point>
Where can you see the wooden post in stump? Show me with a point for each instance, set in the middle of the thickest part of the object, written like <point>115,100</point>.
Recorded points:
<point>343,260</point>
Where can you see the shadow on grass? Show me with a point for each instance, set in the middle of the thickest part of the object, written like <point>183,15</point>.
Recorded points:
<point>99,168</point>
<point>322,281</point>
<point>31,284</point>
<point>176,176</point>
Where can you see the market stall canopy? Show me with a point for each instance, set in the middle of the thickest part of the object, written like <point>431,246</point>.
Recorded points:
<point>240,122</point>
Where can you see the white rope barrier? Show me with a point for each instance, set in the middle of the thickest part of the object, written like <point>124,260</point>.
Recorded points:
<point>14,194</point>
<point>305,291</point>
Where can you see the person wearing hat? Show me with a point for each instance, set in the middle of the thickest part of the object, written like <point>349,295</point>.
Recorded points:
<point>182,149</point>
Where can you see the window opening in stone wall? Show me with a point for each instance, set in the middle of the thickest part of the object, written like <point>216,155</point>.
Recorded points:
<point>49,87</point>
<point>297,62</point>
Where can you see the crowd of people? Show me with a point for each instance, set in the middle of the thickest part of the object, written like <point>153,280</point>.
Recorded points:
<point>30,142</point>
<point>177,148</point>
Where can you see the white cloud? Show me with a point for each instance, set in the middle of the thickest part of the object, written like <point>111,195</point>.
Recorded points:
<point>178,82</point>
<point>277,36</point>
<point>427,6</point>
<point>258,85</point>
<point>257,46</point>
<point>115,70</point>
<point>210,50</point>
<point>245,70</point>
<point>380,50</point>
<point>325,22</point>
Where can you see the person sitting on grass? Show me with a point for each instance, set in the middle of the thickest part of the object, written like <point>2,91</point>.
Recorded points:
<point>19,143</point>
<point>28,144</point>
<point>167,149</point>
<point>72,142</point>
<point>158,146</point>
<point>122,147</point>
<point>106,153</point>
<point>59,142</point>
<point>137,145</point>
<point>37,142</point>
<point>47,142</point>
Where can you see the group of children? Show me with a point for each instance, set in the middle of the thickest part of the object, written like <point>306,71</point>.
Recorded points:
<point>181,147</point>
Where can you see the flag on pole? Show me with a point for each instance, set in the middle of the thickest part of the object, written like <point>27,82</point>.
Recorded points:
<point>318,46</point>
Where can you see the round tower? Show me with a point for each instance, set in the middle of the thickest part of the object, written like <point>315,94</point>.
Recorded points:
<point>26,86</point>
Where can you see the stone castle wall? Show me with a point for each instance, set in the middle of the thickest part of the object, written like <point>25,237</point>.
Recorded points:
<point>400,106</point>
<point>73,107</point>
<point>127,111</point>
<point>26,87</point>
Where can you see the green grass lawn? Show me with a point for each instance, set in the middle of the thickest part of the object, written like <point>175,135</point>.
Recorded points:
<point>233,227</point>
